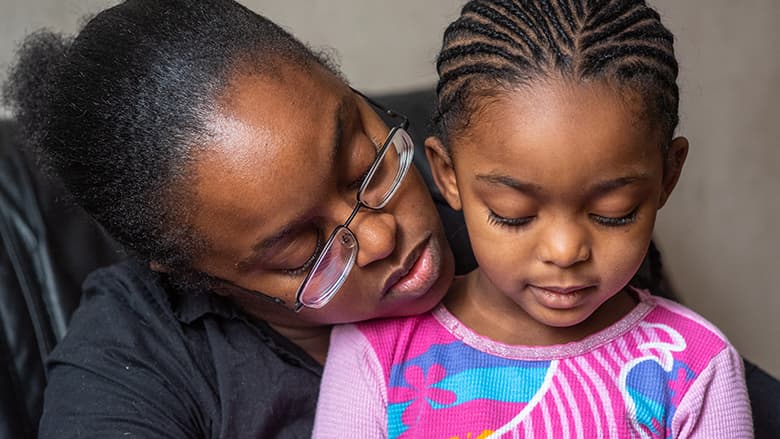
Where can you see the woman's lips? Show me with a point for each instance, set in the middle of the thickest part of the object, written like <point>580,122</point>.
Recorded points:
<point>418,275</point>
<point>560,297</point>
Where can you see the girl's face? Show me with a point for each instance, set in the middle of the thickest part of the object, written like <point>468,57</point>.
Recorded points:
<point>281,174</point>
<point>559,185</point>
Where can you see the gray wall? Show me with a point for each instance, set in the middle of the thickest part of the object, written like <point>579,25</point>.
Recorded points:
<point>719,233</point>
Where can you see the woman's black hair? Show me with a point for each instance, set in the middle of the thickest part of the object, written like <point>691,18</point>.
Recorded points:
<point>498,45</point>
<point>118,112</point>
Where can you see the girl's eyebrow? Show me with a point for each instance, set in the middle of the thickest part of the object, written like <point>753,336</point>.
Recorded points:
<point>505,180</point>
<point>607,186</point>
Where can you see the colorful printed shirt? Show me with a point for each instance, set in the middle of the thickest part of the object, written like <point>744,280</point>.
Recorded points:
<point>660,372</point>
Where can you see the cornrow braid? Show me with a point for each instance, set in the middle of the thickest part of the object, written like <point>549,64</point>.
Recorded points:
<point>498,45</point>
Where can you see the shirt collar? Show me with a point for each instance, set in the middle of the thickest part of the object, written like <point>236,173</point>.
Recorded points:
<point>191,306</point>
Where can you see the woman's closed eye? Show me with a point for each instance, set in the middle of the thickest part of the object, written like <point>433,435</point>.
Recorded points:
<point>309,262</point>
<point>355,184</point>
<point>364,156</point>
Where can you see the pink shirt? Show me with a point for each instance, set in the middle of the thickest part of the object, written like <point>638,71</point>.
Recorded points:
<point>660,372</point>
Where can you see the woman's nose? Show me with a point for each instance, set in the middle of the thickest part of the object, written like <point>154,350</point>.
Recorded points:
<point>564,245</point>
<point>376,235</point>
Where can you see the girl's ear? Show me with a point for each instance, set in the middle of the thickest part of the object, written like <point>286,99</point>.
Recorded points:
<point>675,159</point>
<point>442,170</point>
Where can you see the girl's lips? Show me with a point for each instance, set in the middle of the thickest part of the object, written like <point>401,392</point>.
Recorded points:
<point>560,297</point>
<point>420,276</point>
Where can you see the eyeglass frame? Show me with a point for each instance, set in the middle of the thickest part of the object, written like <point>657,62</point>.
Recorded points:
<point>298,305</point>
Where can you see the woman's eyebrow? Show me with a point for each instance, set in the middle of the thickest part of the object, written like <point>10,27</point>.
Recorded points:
<point>337,139</point>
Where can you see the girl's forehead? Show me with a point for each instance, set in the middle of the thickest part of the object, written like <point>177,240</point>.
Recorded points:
<point>557,109</point>
<point>555,127</point>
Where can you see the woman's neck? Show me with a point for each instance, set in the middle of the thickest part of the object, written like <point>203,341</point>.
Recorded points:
<point>313,340</point>
<point>498,318</point>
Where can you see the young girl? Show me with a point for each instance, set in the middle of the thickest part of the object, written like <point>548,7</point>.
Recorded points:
<point>555,137</point>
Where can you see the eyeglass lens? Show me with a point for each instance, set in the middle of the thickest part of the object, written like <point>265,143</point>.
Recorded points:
<point>388,173</point>
<point>331,270</point>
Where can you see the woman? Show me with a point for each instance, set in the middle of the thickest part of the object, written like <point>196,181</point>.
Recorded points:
<point>262,201</point>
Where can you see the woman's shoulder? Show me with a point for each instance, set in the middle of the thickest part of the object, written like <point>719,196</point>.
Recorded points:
<point>128,309</point>
<point>125,291</point>
<point>123,308</point>
<point>125,347</point>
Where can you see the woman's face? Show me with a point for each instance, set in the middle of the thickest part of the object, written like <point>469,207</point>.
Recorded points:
<point>281,174</point>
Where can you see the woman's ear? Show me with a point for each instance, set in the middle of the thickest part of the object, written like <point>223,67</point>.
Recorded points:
<point>675,159</point>
<point>443,171</point>
<point>158,267</point>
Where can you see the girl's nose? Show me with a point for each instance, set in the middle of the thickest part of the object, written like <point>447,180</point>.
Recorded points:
<point>376,235</point>
<point>564,245</point>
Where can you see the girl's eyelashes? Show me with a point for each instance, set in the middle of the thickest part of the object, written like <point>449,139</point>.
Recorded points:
<point>613,221</point>
<point>297,271</point>
<point>498,220</point>
<point>608,221</point>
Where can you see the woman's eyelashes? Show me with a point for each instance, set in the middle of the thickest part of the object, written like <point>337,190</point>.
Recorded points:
<point>306,266</point>
<point>355,184</point>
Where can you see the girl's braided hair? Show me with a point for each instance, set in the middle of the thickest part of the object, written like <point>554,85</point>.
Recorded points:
<point>502,44</point>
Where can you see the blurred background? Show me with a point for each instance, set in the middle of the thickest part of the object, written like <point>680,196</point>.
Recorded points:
<point>719,234</point>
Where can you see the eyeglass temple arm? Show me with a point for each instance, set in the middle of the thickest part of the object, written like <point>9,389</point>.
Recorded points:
<point>253,293</point>
<point>389,112</point>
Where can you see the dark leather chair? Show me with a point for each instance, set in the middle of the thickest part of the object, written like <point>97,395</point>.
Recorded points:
<point>48,247</point>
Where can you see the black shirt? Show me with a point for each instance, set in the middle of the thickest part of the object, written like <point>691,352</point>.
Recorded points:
<point>141,362</point>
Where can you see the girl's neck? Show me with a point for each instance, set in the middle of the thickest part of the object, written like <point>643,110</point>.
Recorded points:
<point>498,318</point>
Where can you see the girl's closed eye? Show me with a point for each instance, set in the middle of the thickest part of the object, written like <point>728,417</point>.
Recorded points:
<point>615,221</point>
<point>512,222</point>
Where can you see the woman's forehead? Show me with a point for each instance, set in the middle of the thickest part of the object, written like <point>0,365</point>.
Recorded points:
<point>271,156</point>
<point>272,122</point>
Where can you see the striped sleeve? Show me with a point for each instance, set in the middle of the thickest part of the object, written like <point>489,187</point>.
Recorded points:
<point>717,404</point>
<point>353,395</point>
